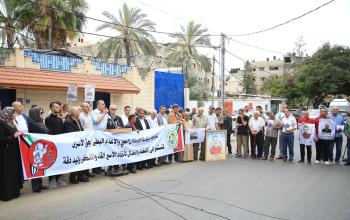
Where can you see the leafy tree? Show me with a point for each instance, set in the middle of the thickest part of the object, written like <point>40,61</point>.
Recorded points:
<point>184,49</point>
<point>50,20</point>
<point>198,90</point>
<point>248,82</point>
<point>327,72</point>
<point>8,10</point>
<point>129,41</point>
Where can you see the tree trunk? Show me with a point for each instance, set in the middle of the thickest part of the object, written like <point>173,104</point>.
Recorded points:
<point>127,51</point>
<point>10,38</point>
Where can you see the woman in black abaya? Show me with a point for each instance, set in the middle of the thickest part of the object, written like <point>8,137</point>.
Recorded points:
<point>10,159</point>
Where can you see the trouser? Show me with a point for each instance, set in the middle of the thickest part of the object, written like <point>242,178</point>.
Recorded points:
<point>229,147</point>
<point>130,166</point>
<point>348,148</point>
<point>281,146</point>
<point>196,148</point>
<point>56,177</point>
<point>242,140</point>
<point>257,143</point>
<point>288,145</point>
<point>338,141</point>
<point>270,141</point>
<point>302,152</point>
<point>79,175</point>
<point>37,184</point>
<point>322,149</point>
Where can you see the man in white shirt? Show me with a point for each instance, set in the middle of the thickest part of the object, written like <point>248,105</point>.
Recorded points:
<point>280,115</point>
<point>289,124</point>
<point>21,120</point>
<point>152,119</point>
<point>85,116</point>
<point>212,118</point>
<point>100,116</point>
<point>125,116</point>
<point>99,122</point>
<point>256,124</point>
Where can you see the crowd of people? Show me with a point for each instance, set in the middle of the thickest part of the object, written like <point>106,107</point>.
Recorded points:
<point>257,136</point>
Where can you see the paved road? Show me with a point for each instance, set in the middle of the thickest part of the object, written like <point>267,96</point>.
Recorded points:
<point>231,189</point>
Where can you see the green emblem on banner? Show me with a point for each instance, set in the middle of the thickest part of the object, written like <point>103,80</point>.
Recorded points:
<point>172,138</point>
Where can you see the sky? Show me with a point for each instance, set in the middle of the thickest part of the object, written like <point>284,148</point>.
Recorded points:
<point>328,24</point>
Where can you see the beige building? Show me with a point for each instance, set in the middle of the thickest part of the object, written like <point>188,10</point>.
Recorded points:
<point>39,77</point>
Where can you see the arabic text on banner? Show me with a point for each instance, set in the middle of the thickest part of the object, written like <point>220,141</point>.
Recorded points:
<point>47,155</point>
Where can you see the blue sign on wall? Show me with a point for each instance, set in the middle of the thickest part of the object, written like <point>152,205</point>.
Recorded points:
<point>169,89</point>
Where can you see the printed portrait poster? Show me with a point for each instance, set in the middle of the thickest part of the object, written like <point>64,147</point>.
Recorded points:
<point>215,145</point>
<point>195,135</point>
<point>326,129</point>
<point>89,92</point>
<point>306,133</point>
<point>72,92</point>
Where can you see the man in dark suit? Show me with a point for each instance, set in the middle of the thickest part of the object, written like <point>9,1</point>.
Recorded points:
<point>73,124</point>
<point>142,124</point>
<point>114,122</point>
<point>228,127</point>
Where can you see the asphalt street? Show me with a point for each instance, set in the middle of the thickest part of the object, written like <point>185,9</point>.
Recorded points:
<point>231,189</point>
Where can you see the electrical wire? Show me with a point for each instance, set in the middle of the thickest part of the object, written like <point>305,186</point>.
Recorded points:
<point>107,36</point>
<point>281,24</point>
<point>253,46</point>
<point>119,182</point>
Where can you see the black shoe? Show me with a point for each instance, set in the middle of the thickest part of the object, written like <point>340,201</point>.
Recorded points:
<point>73,180</point>
<point>90,175</point>
<point>301,161</point>
<point>44,187</point>
<point>308,161</point>
<point>347,164</point>
<point>133,170</point>
<point>96,171</point>
<point>37,190</point>
<point>84,179</point>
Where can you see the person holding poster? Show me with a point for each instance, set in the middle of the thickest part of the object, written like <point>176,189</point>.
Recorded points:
<point>242,134</point>
<point>306,136</point>
<point>325,130</point>
<point>338,139</point>
<point>188,152</point>
<point>347,134</point>
<point>200,121</point>
<point>289,124</point>
<point>273,124</point>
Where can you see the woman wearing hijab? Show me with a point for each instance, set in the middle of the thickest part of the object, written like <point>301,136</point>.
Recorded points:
<point>36,125</point>
<point>10,158</point>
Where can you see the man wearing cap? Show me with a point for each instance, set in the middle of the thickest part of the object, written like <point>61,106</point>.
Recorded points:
<point>200,121</point>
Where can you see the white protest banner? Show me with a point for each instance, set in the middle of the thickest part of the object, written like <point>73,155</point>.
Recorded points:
<point>72,93</point>
<point>89,92</point>
<point>47,155</point>
<point>195,135</point>
<point>326,129</point>
<point>306,133</point>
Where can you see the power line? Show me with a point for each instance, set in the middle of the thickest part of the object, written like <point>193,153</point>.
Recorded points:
<point>281,24</point>
<point>253,46</point>
<point>120,25</point>
<point>107,36</point>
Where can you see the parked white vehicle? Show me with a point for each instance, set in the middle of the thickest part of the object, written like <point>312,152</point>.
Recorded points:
<point>342,104</point>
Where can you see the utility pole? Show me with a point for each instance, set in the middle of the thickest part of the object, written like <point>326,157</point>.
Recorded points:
<point>222,46</point>
<point>213,82</point>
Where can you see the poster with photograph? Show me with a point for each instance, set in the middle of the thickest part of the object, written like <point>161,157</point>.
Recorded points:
<point>215,145</point>
<point>306,133</point>
<point>326,129</point>
<point>72,93</point>
<point>340,129</point>
<point>89,92</point>
<point>195,135</point>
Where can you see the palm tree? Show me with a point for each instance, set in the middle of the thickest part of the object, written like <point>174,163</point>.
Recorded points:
<point>185,47</point>
<point>8,13</point>
<point>50,21</point>
<point>132,38</point>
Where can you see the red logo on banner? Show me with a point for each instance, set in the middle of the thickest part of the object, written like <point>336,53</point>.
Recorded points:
<point>42,154</point>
